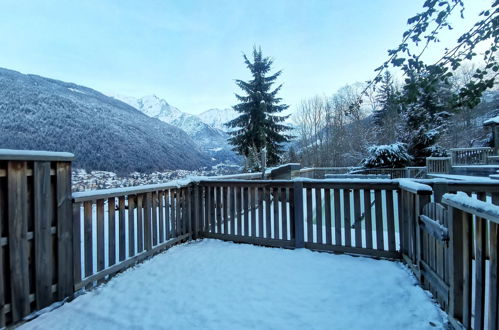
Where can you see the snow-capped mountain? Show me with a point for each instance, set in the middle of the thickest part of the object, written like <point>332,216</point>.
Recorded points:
<point>218,117</point>
<point>211,139</point>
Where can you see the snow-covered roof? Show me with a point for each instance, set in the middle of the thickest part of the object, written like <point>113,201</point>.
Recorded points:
<point>492,121</point>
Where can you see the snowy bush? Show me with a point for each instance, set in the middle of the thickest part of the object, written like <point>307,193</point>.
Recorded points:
<point>390,155</point>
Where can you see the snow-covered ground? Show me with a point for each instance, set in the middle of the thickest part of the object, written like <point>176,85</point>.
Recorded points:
<point>212,284</point>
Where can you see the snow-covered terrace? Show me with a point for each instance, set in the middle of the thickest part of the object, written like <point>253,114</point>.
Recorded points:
<point>210,284</point>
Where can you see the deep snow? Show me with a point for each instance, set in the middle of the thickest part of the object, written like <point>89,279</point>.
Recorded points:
<point>211,284</point>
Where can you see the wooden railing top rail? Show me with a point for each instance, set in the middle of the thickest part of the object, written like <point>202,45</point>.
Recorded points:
<point>415,187</point>
<point>438,158</point>
<point>35,155</point>
<point>90,195</point>
<point>471,205</point>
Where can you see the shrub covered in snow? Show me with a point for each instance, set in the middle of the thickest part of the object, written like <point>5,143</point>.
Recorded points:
<point>390,155</point>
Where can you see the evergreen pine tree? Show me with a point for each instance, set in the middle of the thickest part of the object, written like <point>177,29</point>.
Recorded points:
<point>386,116</point>
<point>259,124</point>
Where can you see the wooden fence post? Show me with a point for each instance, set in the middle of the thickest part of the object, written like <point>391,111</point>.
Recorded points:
<point>298,214</point>
<point>196,211</point>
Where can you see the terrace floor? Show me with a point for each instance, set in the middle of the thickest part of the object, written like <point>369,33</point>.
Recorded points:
<point>211,284</point>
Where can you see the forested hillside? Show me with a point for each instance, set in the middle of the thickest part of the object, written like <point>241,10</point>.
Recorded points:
<point>102,132</point>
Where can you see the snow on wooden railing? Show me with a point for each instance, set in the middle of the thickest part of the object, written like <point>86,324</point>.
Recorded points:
<point>474,231</point>
<point>438,165</point>
<point>470,156</point>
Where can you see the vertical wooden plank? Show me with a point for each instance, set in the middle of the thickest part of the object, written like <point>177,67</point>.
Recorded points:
<point>65,275</point>
<point>3,224</point>
<point>379,220</point>
<point>131,225</point>
<point>310,216</point>
<point>87,226</point>
<point>390,220</point>
<point>154,212</point>
<point>239,211</point>
<point>147,222</point>
<point>275,214</point>
<point>357,219</point>
<point>100,234</point>
<point>207,210</point>
<point>140,223</point>
<point>493,311</point>
<point>161,210</point>
<point>198,212</point>
<point>111,218</point>
<point>327,211</point>
<point>253,211</point>
<point>284,213</point>
<point>232,210</point>
<point>246,211</point>
<point>42,234</point>
<point>225,192</point>
<point>121,229</point>
<point>76,241</point>
<point>368,218</point>
<point>296,210</point>
<point>173,215</point>
<point>456,252</point>
<point>219,192</point>
<point>481,241</point>
<point>260,212</point>
<point>211,199</point>
<point>337,218</point>
<point>18,245</point>
<point>178,213</point>
<point>318,214</point>
<point>348,225</point>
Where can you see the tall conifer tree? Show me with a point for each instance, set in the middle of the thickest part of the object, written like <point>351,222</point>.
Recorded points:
<point>259,124</point>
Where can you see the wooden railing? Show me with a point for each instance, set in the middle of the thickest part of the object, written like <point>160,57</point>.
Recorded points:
<point>394,173</point>
<point>334,215</point>
<point>438,165</point>
<point>36,259</point>
<point>470,156</point>
<point>473,230</point>
<point>54,243</point>
<point>116,228</point>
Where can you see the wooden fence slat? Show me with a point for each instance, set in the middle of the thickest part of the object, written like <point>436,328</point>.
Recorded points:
<point>121,229</point>
<point>390,220</point>
<point>467,264</point>
<point>379,220</point>
<point>111,218</point>
<point>147,222</point>
<point>154,212</point>
<point>18,245</point>
<point>310,217</point>
<point>131,225</point>
<point>43,235</point>
<point>225,203</point>
<point>493,311</point>
<point>357,218</point>
<point>3,216</point>
<point>232,210</point>
<point>284,213</point>
<point>260,213</point>
<point>327,210</point>
<point>140,223</point>
<point>76,241</point>
<point>347,215</point>
<point>318,214</point>
<point>65,277</point>
<point>481,240</point>
<point>296,211</point>
<point>219,192</point>
<point>178,212</point>
<point>253,211</point>
<point>275,206</point>
<point>456,230</point>
<point>268,219</point>
<point>161,210</point>
<point>246,211</point>
<point>368,218</point>
<point>100,234</point>
<point>88,239</point>
<point>337,218</point>
<point>211,199</point>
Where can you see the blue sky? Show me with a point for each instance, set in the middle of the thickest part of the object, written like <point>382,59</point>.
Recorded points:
<point>189,52</point>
